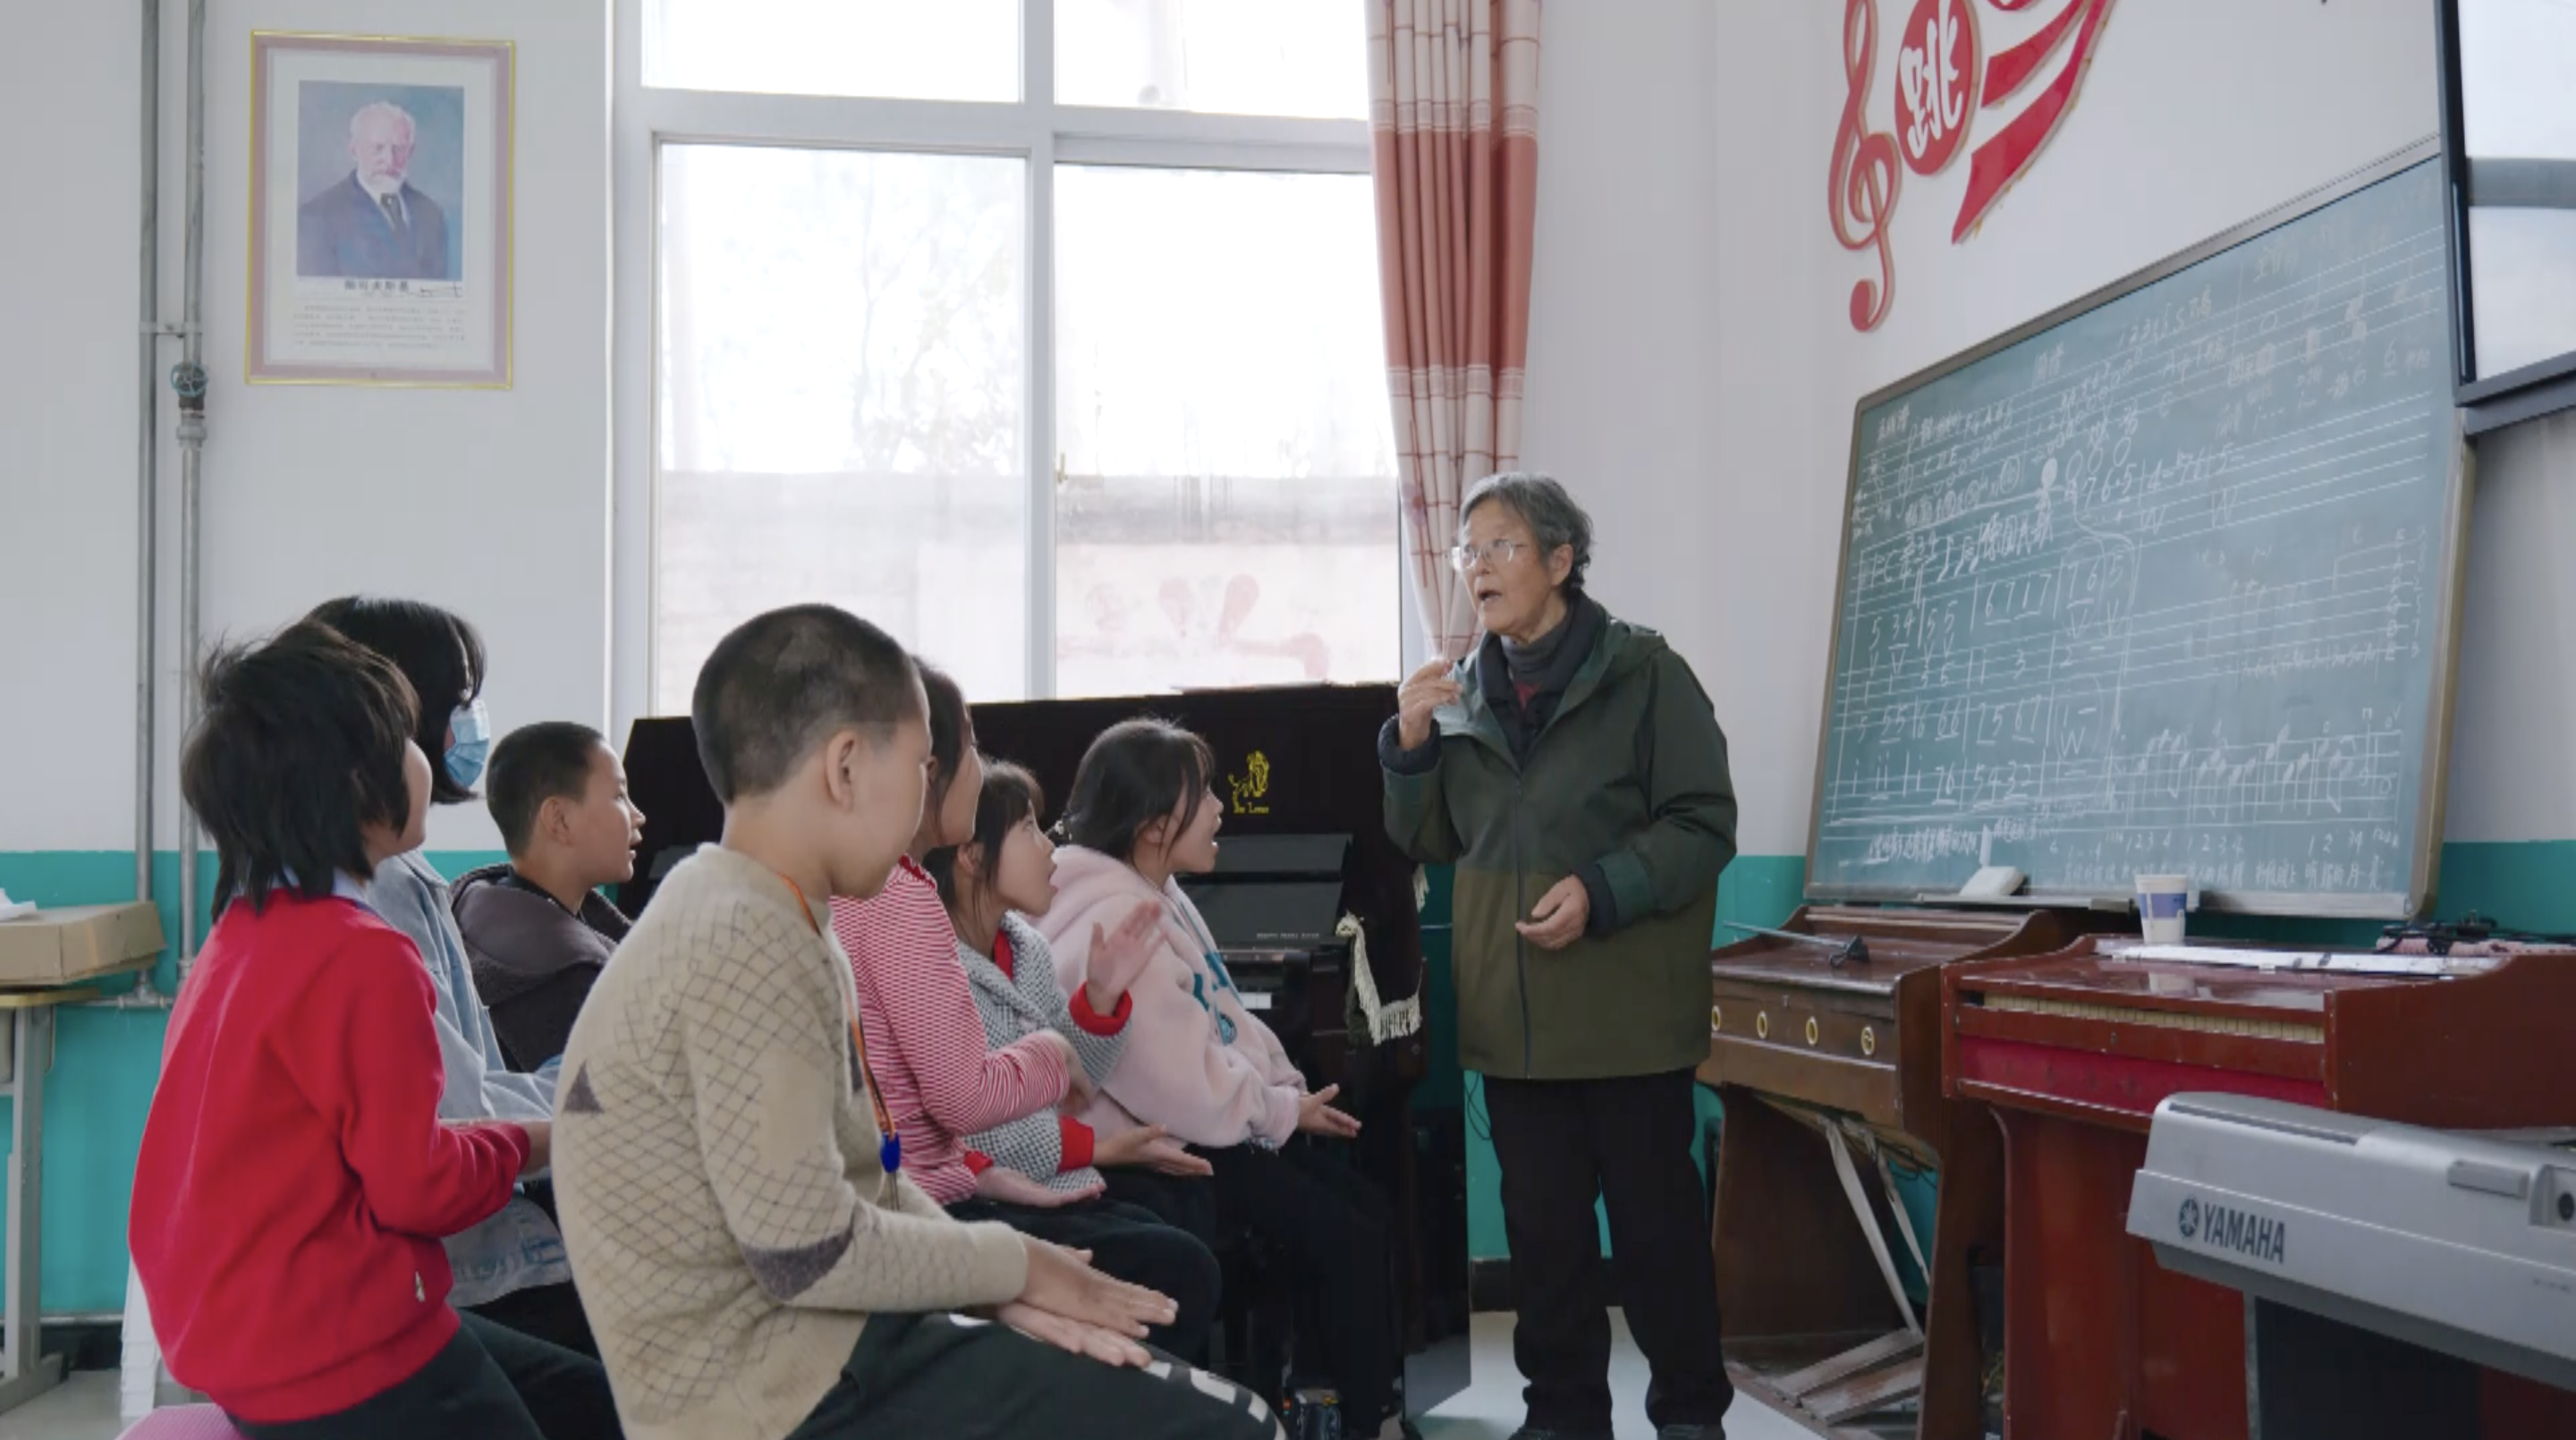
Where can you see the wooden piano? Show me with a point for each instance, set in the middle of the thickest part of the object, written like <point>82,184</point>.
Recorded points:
<point>1829,1062</point>
<point>2074,1050</point>
<point>1304,846</point>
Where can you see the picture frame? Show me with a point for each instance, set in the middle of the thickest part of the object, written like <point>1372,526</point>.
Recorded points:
<point>381,211</point>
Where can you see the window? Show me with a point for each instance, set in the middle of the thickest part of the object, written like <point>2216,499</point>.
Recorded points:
<point>1226,57</point>
<point>1044,333</point>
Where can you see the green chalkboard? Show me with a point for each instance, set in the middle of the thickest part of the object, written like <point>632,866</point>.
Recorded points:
<point>2166,581</point>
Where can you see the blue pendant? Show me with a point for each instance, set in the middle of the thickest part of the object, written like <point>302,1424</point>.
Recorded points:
<point>890,1153</point>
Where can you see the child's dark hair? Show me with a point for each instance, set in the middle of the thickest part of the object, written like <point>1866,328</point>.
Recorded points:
<point>784,682</point>
<point>1138,771</point>
<point>1010,798</point>
<point>532,765</point>
<point>952,730</point>
<point>436,651</point>
<point>299,748</point>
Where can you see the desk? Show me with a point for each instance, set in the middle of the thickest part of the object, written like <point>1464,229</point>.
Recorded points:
<point>2075,1051</point>
<point>25,1371</point>
<point>1827,1069</point>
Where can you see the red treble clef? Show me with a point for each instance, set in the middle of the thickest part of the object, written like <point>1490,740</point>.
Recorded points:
<point>1865,174</point>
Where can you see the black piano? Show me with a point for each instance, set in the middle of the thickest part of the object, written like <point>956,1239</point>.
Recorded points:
<point>1304,850</point>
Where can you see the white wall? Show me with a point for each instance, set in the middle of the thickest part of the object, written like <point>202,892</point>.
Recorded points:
<point>1693,369</point>
<point>2513,738</point>
<point>67,431</point>
<point>493,503</point>
<point>1621,347</point>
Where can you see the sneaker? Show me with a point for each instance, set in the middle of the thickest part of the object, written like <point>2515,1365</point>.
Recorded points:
<point>1531,1432</point>
<point>1690,1432</point>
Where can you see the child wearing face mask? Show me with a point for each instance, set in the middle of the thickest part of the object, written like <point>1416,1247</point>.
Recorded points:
<point>510,1268</point>
<point>295,1178</point>
<point>1207,1071</point>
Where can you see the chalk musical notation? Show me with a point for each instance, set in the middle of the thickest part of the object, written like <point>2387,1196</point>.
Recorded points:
<point>2162,587</point>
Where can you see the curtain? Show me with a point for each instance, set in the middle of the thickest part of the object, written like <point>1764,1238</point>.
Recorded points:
<point>1453,125</point>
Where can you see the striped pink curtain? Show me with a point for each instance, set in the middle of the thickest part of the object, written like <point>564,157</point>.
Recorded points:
<point>1453,114</point>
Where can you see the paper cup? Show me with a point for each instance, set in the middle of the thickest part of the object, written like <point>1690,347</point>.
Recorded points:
<point>2161,899</point>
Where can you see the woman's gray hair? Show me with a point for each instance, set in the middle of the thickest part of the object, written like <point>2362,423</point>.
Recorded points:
<point>1550,513</point>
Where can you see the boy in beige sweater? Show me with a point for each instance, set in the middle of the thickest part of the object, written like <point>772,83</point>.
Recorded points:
<point>752,1258</point>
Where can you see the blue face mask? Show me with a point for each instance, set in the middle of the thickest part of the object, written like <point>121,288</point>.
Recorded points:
<point>469,743</point>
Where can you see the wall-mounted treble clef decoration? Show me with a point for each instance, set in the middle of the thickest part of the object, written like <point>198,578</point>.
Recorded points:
<point>1865,174</point>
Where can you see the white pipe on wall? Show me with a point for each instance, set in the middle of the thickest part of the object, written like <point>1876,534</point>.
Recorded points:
<point>189,380</point>
<point>147,488</point>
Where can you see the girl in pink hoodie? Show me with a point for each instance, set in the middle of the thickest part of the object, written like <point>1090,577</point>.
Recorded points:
<point>1208,1071</point>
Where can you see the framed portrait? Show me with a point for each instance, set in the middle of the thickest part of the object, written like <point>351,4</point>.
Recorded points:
<point>380,211</point>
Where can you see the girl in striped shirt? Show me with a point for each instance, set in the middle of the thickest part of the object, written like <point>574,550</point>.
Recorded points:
<point>952,1085</point>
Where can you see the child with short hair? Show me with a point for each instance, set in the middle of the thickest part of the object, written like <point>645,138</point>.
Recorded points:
<point>536,929</point>
<point>753,1257</point>
<point>295,1180</point>
<point>939,1082</point>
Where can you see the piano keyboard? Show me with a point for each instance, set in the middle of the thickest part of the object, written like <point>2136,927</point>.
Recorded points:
<point>2289,1030</point>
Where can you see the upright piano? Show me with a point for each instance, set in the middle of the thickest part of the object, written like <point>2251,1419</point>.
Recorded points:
<point>1827,1054</point>
<point>1309,896</point>
<point>2075,1050</point>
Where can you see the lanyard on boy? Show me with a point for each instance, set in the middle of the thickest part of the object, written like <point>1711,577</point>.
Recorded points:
<point>889,1143</point>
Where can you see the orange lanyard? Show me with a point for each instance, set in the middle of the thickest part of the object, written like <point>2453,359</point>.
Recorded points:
<point>889,1143</point>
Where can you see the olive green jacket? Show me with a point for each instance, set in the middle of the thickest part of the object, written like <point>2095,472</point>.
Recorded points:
<point>1627,787</point>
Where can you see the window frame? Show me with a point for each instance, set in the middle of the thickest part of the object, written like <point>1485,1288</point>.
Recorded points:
<point>1036,130</point>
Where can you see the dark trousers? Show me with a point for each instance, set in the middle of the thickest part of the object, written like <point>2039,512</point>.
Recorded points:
<point>551,1313</point>
<point>915,1376</point>
<point>1134,1244</point>
<point>1324,1225</point>
<point>1561,1143</point>
<point>489,1382</point>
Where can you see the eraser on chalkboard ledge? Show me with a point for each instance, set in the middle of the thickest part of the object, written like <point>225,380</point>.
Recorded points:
<point>1992,882</point>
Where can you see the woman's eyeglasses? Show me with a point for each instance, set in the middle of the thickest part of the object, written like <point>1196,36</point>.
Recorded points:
<point>1495,554</point>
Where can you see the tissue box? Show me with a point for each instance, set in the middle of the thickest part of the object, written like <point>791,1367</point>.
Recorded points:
<point>57,947</point>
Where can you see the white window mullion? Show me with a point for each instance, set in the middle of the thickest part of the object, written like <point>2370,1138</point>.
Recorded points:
<point>933,126</point>
<point>1173,153</point>
<point>1037,30</point>
<point>633,324</point>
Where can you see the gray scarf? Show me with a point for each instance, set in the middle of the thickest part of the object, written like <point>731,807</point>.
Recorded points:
<point>1529,663</point>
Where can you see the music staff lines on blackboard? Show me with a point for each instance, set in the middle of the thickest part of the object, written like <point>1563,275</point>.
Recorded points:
<point>2047,425</point>
<point>2410,266</point>
<point>2160,586</point>
<point>2050,427</point>
<point>1910,575</point>
<point>2362,614</point>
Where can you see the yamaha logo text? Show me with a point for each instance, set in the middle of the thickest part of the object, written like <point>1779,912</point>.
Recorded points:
<point>2219,1227</point>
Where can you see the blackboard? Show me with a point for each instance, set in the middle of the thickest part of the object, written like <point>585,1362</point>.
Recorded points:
<point>2165,582</point>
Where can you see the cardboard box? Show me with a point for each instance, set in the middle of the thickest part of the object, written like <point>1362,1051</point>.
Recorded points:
<point>58,947</point>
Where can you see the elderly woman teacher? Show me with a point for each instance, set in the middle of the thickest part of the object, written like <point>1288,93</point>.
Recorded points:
<point>1572,769</point>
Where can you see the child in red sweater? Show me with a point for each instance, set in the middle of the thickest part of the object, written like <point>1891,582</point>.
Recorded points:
<point>294,1181</point>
